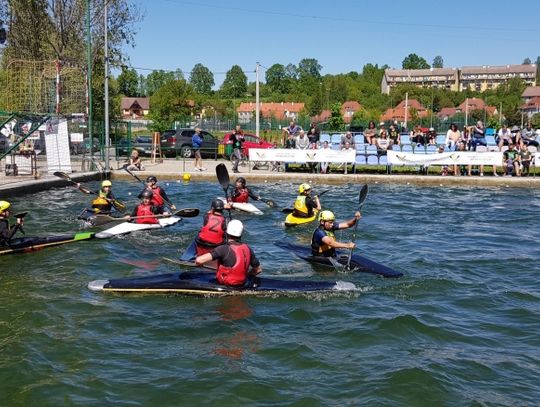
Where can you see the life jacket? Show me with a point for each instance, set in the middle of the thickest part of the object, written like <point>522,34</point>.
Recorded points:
<point>213,231</point>
<point>157,199</point>
<point>242,195</point>
<point>102,204</point>
<point>322,249</point>
<point>237,274</point>
<point>146,210</point>
<point>300,208</point>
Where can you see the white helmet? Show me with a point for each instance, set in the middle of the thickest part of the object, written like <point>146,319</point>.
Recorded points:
<point>235,228</point>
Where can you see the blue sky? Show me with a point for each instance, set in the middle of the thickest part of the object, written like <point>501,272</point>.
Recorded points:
<point>343,35</point>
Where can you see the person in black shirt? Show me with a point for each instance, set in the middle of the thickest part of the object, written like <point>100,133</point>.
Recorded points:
<point>6,231</point>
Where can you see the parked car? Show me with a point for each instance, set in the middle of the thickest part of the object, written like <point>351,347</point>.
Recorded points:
<point>178,142</point>
<point>4,144</point>
<point>143,144</point>
<point>250,141</point>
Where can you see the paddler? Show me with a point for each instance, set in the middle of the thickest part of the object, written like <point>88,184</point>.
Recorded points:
<point>234,258</point>
<point>6,231</point>
<point>242,193</point>
<point>212,233</point>
<point>305,204</point>
<point>160,197</point>
<point>104,201</point>
<point>145,212</point>
<point>323,242</point>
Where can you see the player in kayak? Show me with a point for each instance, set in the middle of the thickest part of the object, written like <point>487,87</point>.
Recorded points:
<point>305,204</point>
<point>212,233</point>
<point>242,193</point>
<point>160,197</point>
<point>145,212</point>
<point>6,230</point>
<point>234,258</point>
<point>323,241</point>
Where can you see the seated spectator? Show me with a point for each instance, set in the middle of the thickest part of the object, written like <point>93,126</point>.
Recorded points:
<point>453,136</point>
<point>478,136</point>
<point>290,142</point>
<point>293,129</point>
<point>324,165</point>
<point>511,162</point>
<point>134,162</point>
<point>466,138</point>
<point>525,158</point>
<point>503,136</point>
<point>431,136</point>
<point>313,134</point>
<point>417,136</point>
<point>347,138</point>
<point>528,137</point>
<point>515,135</point>
<point>382,143</point>
<point>370,133</point>
<point>301,141</point>
<point>393,135</point>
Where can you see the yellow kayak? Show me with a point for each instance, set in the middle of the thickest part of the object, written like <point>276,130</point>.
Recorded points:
<point>292,220</point>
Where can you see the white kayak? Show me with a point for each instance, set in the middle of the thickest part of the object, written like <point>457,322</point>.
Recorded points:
<point>128,227</point>
<point>245,207</point>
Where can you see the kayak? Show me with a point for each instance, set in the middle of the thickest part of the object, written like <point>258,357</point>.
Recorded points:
<point>358,263</point>
<point>128,227</point>
<point>203,283</point>
<point>29,244</point>
<point>292,220</point>
<point>92,219</point>
<point>244,207</point>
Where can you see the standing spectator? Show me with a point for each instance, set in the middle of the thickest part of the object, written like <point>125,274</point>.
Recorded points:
<point>453,136</point>
<point>314,134</point>
<point>503,136</point>
<point>324,165</point>
<point>196,143</point>
<point>237,140</point>
<point>347,138</point>
<point>478,136</point>
<point>528,136</point>
<point>393,135</point>
<point>301,141</point>
<point>370,133</point>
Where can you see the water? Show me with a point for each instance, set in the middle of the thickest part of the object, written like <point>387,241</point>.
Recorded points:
<point>462,327</point>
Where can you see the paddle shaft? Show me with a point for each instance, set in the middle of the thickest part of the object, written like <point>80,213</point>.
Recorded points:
<point>134,176</point>
<point>361,199</point>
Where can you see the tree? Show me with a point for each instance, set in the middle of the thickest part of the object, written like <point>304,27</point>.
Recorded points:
<point>202,79</point>
<point>277,80</point>
<point>170,103</point>
<point>128,82</point>
<point>438,62</point>
<point>156,79</point>
<point>527,61</point>
<point>336,122</point>
<point>235,83</point>
<point>413,61</point>
<point>309,67</point>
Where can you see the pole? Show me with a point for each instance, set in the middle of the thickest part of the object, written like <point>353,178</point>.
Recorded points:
<point>257,112</point>
<point>500,115</point>
<point>107,139</point>
<point>466,111</point>
<point>406,109</point>
<point>89,76</point>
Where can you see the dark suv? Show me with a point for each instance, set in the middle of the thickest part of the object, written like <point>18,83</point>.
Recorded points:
<point>178,142</point>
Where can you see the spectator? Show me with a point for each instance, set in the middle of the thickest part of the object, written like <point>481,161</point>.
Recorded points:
<point>431,136</point>
<point>511,163</point>
<point>528,136</point>
<point>393,135</point>
<point>370,133</point>
<point>324,165</point>
<point>525,158</point>
<point>478,136</point>
<point>301,141</point>
<point>290,142</point>
<point>196,143</point>
<point>314,134</point>
<point>466,137</point>
<point>134,162</point>
<point>237,140</point>
<point>503,136</point>
<point>382,143</point>
<point>453,136</point>
<point>347,138</point>
<point>417,136</point>
<point>515,135</point>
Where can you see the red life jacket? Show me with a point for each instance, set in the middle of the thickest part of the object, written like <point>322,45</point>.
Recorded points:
<point>146,210</point>
<point>213,231</point>
<point>237,274</point>
<point>157,199</point>
<point>242,195</point>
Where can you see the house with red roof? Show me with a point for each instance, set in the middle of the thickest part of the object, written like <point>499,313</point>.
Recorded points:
<point>269,110</point>
<point>398,113</point>
<point>348,109</point>
<point>135,108</point>
<point>468,105</point>
<point>531,101</point>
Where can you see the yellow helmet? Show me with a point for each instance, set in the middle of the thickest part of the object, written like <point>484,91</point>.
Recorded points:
<point>106,183</point>
<point>327,215</point>
<point>4,206</point>
<point>303,188</point>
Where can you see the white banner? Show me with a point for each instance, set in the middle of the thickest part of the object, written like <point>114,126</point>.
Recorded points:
<point>302,156</point>
<point>57,146</point>
<point>449,158</point>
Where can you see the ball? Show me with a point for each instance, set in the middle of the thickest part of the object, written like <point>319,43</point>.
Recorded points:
<point>129,193</point>
<point>186,177</point>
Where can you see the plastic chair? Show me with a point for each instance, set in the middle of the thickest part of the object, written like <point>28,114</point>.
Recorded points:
<point>396,147</point>
<point>325,137</point>
<point>359,139</point>
<point>371,149</point>
<point>490,131</point>
<point>360,148</point>
<point>431,149</point>
<point>372,160</point>
<point>440,139</point>
<point>483,149</point>
<point>406,148</point>
<point>405,139</point>
<point>420,149</point>
<point>491,140</point>
<point>360,159</point>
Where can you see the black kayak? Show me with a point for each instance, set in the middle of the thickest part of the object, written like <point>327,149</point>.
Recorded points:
<point>358,263</point>
<point>29,244</point>
<point>92,219</point>
<point>203,283</point>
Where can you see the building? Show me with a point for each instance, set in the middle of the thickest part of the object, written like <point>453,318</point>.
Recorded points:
<point>445,78</point>
<point>135,108</point>
<point>414,110</point>
<point>279,111</point>
<point>531,101</point>
<point>468,105</point>
<point>478,78</point>
<point>348,109</point>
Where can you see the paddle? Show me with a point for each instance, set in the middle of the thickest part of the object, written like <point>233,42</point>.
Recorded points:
<point>184,213</point>
<point>223,178</point>
<point>268,202</point>
<point>361,199</point>
<point>125,167</point>
<point>119,206</point>
<point>290,210</point>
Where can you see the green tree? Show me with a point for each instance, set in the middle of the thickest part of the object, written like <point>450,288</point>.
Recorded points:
<point>309,68</point>
<point>336,122</point>
<point>170,103</point>
<point>527,61</point>
<point>413,61</point>
<point>235,83</point>
<point>128,82</point>
<point>438,62</point>
<point>156,79</point>
<point>277,79</point>
<point>202,79</point>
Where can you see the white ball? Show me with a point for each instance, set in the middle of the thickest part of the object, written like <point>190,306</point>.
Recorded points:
<point>129,193</point>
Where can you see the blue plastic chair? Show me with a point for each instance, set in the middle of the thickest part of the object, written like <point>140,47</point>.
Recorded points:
<point>431,149</point>
<point>325,137</point>
<point>405,139</point>
<point>406,148</point>
<point>359,139</point>
<point>372,160</point>
<point>440,139</point>
<point>491,140</point>
<point>371,149</point>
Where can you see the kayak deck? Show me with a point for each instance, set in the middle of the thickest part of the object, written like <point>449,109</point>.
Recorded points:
<point>291,220</point>
<point>204,283</point>
<point>358,262</point>
<point>29,244</point>
<point>128,227</point>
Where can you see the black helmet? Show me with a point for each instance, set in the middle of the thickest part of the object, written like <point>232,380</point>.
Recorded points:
<point>151,178</point>
<point>241,180</point>
<point>147,194</point>
<point>217,205</point>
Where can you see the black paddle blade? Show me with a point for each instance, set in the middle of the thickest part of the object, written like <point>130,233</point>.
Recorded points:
<point>62,175</point>
<point>187,212</point>
<point>21,215</point>
<point>363,195</point>
<point>223,176</point>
